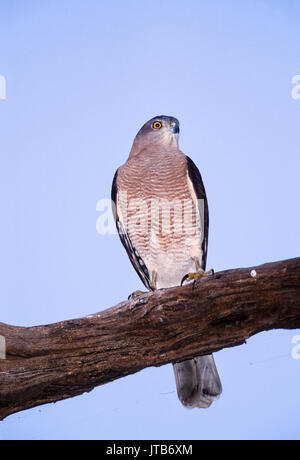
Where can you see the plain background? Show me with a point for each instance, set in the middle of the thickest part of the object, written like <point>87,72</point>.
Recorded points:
<point>82,77</point>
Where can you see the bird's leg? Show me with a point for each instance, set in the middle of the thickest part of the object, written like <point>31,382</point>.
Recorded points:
<point>154,280</point>
<point>153,287</point>
<point>198,274</point>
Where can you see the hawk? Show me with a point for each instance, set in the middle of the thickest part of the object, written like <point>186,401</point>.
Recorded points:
<point>161,215</point>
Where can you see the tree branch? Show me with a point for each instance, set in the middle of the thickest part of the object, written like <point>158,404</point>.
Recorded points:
<point>57,361</point>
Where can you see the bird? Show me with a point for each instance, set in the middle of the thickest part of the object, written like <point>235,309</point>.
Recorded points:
<point>161,213</point>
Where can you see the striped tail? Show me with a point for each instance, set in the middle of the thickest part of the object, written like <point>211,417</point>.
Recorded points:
<point>198,382</point>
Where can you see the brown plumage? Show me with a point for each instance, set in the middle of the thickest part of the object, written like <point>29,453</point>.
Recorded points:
<point>162,219</point>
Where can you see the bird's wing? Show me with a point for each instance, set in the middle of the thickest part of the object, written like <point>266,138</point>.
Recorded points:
<point>198,186</point>
<point>133,254</point>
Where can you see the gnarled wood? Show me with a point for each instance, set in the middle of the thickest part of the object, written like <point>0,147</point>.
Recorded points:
<point>57,361</point>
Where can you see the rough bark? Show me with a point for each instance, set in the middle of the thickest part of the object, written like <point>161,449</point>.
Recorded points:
<point>57,361</point>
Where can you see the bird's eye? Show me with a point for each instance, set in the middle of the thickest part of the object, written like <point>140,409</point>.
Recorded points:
<point>157,125</point>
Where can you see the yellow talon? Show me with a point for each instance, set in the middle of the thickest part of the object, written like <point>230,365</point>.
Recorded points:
<point>197,275</point>
<point>135,294</point>
<point>153,287</point>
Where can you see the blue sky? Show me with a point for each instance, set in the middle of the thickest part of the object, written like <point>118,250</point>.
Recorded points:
<point>81,79</point>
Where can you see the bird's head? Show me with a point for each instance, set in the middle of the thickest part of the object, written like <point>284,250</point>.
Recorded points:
<point>161,130</point>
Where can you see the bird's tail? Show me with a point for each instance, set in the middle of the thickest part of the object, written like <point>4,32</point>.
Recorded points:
<point>198,382</point>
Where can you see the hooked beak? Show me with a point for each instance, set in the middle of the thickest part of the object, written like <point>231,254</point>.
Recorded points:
<point>175,128</point>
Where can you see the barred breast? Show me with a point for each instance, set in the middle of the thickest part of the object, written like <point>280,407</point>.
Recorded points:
<point>159,210</point>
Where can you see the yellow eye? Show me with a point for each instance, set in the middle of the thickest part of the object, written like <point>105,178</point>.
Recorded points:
<point>157,125</point>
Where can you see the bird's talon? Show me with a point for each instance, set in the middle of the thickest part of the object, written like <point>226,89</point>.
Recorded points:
<point>135,294</point>
<point>184,279</point>
<point>197,275</point>
<point>190,276</point>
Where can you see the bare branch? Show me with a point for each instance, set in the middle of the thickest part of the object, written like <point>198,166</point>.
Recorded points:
<point>57,361</point>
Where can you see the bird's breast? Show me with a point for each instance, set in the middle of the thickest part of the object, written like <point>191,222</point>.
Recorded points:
<point>160,214</point>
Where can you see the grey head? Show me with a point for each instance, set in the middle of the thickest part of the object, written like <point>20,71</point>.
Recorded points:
<point>160,130</point>
<point>160,124</point>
